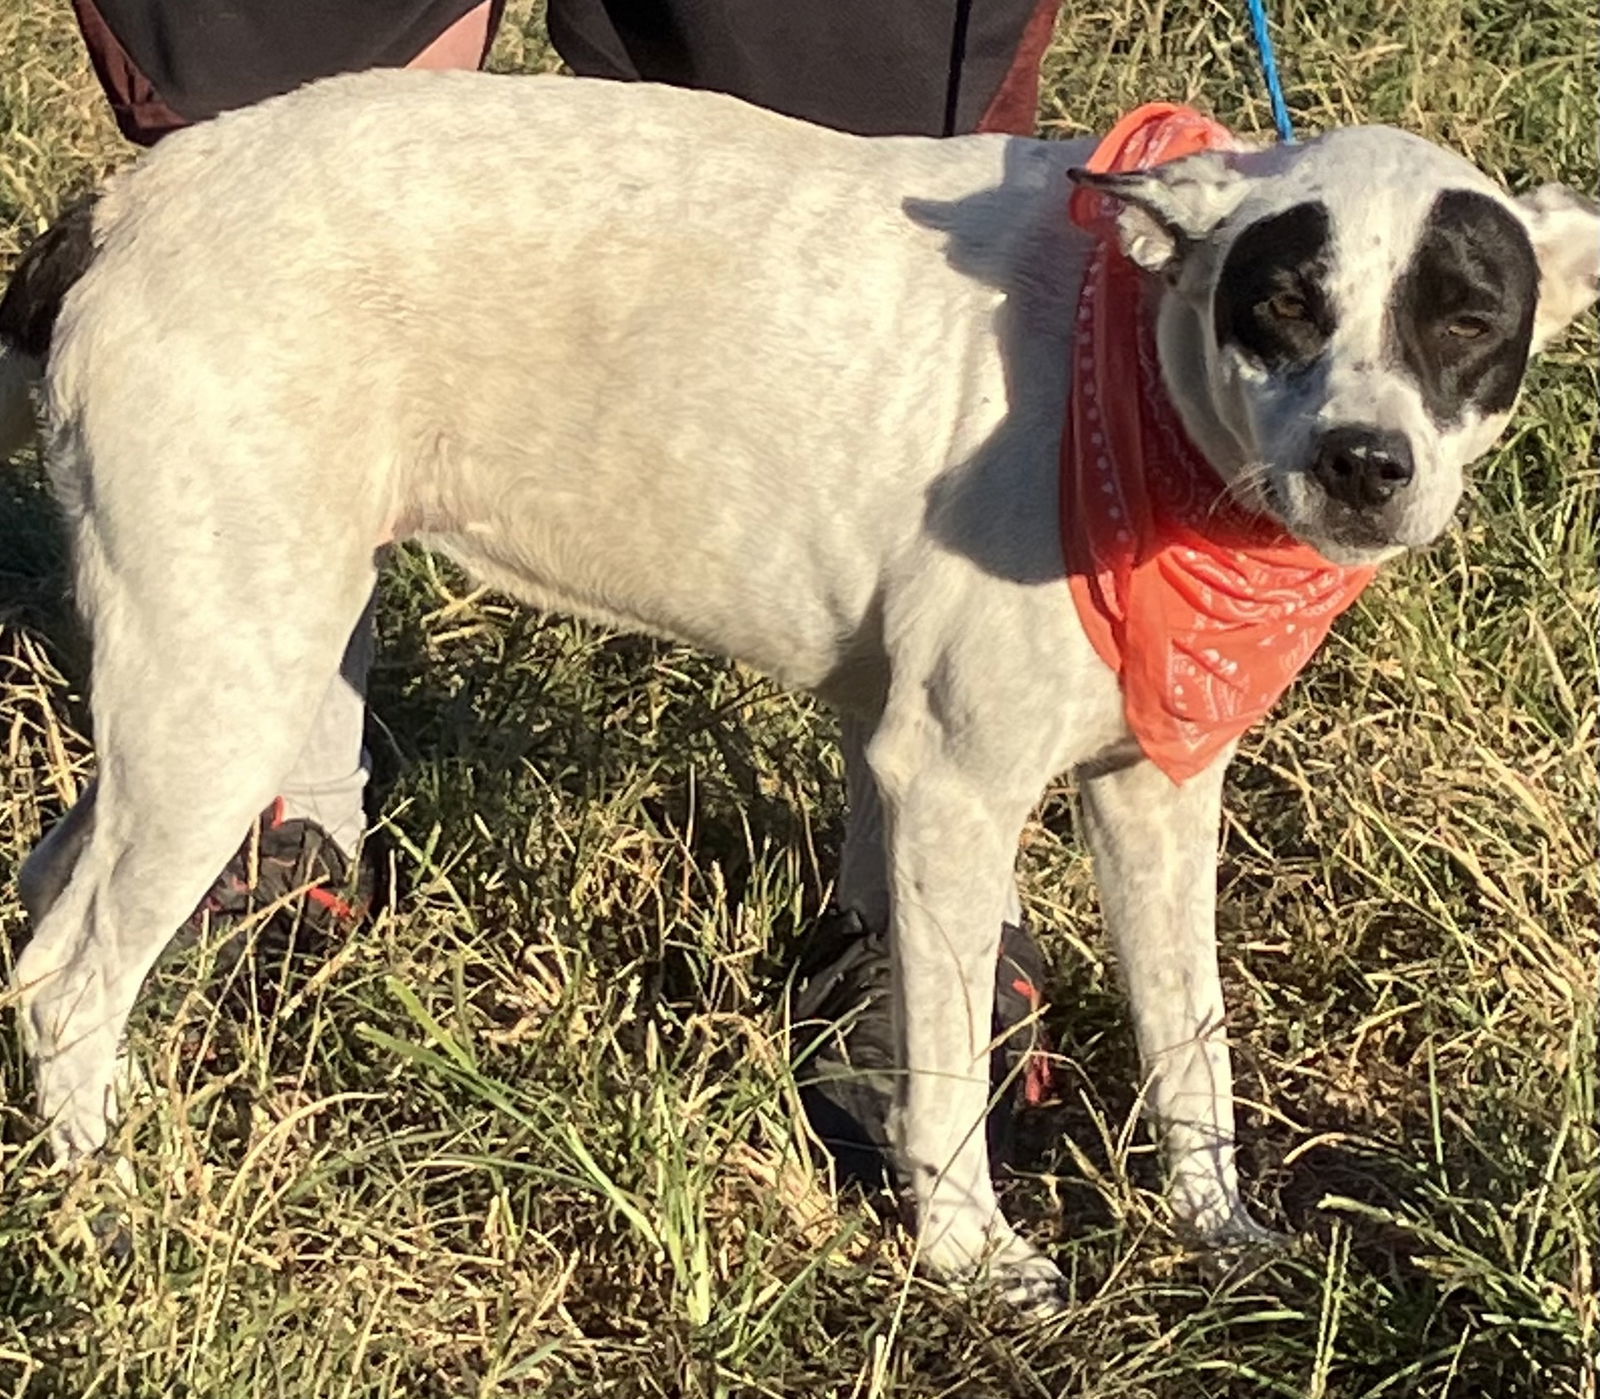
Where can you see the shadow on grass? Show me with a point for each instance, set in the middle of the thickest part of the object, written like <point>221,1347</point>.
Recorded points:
<point>538,742</point>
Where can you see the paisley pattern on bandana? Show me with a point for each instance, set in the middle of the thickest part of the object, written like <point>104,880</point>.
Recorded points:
<point>1204,609</point>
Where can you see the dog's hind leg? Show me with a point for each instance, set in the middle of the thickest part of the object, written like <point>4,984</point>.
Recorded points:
<point>201,702</point>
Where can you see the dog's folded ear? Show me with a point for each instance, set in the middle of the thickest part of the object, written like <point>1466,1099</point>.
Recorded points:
<point>1565,229</point>
<point>1169,207</point>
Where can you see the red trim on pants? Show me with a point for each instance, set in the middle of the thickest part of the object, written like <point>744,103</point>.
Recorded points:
<point>141,114</point>
<point>1014,108</point>
<point>144,117</point>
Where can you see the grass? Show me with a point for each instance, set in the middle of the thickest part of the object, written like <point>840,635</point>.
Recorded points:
<point>530,1135</point>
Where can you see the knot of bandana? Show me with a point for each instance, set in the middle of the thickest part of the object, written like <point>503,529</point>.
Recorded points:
<point>1205,610</point>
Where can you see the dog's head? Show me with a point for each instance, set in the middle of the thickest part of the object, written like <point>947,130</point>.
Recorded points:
<point>1347,322</point>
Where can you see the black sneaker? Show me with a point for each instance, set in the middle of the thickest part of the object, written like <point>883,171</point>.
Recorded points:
<point>297,870</point>
<point>842,1043</point>
<point>294,860</point>
<point>295,875</point>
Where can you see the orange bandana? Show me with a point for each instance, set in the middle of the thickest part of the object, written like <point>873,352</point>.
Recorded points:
<point>1205,610</point>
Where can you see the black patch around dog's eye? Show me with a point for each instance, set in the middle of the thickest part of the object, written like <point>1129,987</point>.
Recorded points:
<point>1271,298</point>
<point>1461,316</point>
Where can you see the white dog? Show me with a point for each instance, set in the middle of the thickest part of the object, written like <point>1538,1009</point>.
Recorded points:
<point>664,360</point>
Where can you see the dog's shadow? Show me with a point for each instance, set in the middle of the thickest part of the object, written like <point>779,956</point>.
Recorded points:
<point>985,508</point>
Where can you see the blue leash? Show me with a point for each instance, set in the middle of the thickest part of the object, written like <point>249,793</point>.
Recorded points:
<point>1269,67</point>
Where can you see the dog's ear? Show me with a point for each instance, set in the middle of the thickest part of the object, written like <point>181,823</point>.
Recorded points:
<point>1169,207</point>
<point>1565,229</point>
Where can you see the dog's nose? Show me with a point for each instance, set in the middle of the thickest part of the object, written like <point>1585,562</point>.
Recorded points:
<point>1363,467</point>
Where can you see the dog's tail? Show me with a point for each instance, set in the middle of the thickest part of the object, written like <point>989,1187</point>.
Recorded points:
<point>28,311</point>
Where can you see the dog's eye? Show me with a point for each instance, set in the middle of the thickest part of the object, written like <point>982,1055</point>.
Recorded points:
<point>1466,327</point>
<point>1286,306</point>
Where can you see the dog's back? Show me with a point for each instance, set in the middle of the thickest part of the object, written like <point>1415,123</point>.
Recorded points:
<point>451,293</point>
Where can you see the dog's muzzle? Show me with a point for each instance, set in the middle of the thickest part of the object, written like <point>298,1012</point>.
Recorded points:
<point>1354,499</point>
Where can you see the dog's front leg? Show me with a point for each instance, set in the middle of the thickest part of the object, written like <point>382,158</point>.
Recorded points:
<point>951,837</point>
<point>1155,855</point>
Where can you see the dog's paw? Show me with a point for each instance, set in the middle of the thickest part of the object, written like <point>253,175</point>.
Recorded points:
<point>1026,1281</point>
<point>1240,1229</point>
<point>1238,1247</point>
<point>999,1263</point>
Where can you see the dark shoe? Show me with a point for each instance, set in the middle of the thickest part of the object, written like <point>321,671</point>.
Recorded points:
<point>842,1042</point>
<point>285,902</point>
<point>292,860</point>
<point>294,869</point>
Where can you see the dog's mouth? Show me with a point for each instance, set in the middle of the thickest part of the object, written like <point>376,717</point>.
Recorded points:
<point>1349,538</point>
<point>1356,548</point>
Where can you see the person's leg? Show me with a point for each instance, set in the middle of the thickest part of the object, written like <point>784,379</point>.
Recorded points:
<point>143,115</point>
<point>1013,103</point>
<point>165,64</point>
<point>465,44</point>
<point>898,67</point>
